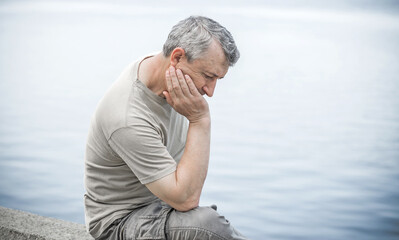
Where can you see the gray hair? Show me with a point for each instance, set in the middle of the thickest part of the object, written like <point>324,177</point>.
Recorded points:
<point>195,34</point>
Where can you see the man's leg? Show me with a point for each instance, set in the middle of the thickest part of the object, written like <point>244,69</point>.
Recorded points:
<point>199,223</point>
<point>159,221</point>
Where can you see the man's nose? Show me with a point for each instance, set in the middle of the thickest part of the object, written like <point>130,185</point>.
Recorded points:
<point>210,87</point>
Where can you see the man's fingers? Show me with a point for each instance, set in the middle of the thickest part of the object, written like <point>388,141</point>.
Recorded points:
<point>193,89</point>
<point>184,98</point>
<point>169,84</point>
<point>182,82</point>
<point>176,88</point>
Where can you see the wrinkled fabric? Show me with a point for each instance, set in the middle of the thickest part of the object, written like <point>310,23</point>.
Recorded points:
<point>160,221</point>
<point>200,223</point>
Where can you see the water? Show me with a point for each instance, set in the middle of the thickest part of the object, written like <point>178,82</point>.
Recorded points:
<point>305,140</point>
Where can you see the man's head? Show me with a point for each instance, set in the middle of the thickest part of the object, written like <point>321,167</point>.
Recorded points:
<point>195,34</point>
<point>203,49</point>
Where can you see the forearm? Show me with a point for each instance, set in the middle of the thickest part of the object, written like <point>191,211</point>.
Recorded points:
<point>193,166</point>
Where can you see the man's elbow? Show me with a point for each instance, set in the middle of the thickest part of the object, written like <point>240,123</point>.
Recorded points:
<point>186,205</point>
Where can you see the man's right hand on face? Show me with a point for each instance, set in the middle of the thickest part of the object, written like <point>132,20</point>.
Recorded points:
<point>184,97</point>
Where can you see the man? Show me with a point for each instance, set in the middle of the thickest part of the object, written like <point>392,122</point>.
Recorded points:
<point>148,147</point>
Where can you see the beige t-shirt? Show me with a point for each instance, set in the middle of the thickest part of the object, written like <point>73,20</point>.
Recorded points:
<point>135,138</point>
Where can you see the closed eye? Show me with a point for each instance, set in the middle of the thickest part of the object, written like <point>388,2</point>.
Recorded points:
<point>211,76</point>
<point>207,76</point>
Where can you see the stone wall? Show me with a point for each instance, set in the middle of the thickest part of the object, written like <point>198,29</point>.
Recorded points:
<point>19,225</point>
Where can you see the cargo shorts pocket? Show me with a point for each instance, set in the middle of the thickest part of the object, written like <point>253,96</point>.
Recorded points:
<point>152,226</point>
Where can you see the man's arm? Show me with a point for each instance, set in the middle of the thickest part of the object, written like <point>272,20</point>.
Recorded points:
<point>182,189</point>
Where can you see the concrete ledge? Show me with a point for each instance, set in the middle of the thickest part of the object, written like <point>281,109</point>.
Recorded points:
<point>19,225</point>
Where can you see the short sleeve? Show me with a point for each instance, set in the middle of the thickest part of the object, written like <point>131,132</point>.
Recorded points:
<point>142,149</point>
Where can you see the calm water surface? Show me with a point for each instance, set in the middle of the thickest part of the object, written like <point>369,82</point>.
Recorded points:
<point>305,140</point>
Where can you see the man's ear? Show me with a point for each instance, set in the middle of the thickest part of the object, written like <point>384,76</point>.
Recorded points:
<point>176,56</point>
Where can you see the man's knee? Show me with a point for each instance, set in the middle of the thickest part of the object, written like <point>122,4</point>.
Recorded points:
<point>200,223</point>
<point>205,218</point>
<point>208,218</point>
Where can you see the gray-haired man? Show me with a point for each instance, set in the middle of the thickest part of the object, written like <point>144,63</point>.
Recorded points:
<point>147,151</point>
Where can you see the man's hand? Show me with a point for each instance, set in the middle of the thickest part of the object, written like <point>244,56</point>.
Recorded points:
<point>184,97</point>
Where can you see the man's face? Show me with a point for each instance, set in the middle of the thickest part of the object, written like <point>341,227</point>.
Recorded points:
<point>206,70</point>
